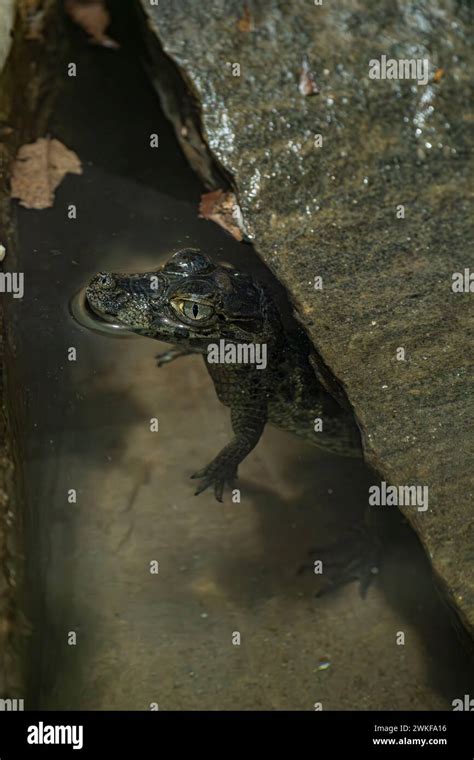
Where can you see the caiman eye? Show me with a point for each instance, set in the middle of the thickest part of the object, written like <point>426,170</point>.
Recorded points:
<point>105,280</point>
<point>194,310</point>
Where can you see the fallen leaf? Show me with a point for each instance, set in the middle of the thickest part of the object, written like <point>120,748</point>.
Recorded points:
<point>38,169</point>
<point>35,27</point>
<point>307,85</point>
<point>29,6</point>
<point>223,209</point>
<point>94,18</point>
<point>33,17</point>
<point>245,24</point>
<point>437,75</point>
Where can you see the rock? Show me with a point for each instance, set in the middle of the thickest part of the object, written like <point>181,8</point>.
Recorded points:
<point>7,15</point>
<point>364,183</point>
<point>27,84</point>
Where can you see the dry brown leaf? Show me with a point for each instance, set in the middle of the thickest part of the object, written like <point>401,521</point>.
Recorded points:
<point>33,15</point>
<point>245,24</point>
<point>35,27</point>
<point>307,84</point>
<point>94,18</point>
<point>222,208</point>
<point>38,169</point>
<point>29,6</point>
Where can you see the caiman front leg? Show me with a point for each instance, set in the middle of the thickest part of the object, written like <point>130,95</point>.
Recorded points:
<point>248,422</point>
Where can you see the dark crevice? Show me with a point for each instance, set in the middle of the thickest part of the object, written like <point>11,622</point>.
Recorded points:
<point>180,104</point>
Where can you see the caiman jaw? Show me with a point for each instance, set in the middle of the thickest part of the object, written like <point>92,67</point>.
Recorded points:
<point>87,316</point>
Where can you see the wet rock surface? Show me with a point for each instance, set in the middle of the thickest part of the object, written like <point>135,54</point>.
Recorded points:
<point>28,34</point>
<point>7,12</point>
<point>379,211</point>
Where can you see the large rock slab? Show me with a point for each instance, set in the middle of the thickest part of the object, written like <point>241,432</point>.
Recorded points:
<point>335,212</point>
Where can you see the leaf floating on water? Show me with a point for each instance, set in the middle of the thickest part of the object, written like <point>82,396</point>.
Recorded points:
<point>94,18</point>
<point>38,169</point>
<point>223,209</point>
<point>307,85</point>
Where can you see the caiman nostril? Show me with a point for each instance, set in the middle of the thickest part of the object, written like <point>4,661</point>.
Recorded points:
<point>105,280</point>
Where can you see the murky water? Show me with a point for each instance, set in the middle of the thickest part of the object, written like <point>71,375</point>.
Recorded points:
<point>167,638</point>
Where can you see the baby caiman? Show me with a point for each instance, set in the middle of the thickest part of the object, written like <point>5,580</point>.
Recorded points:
<point>199,307</point>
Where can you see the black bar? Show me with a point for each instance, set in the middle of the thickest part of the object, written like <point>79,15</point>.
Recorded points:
<point>119,734</point>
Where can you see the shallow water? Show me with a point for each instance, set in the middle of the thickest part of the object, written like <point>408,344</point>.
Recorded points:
<point>166,638</point>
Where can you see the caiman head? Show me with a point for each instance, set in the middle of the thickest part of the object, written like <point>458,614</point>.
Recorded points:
<point>190,300</point>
